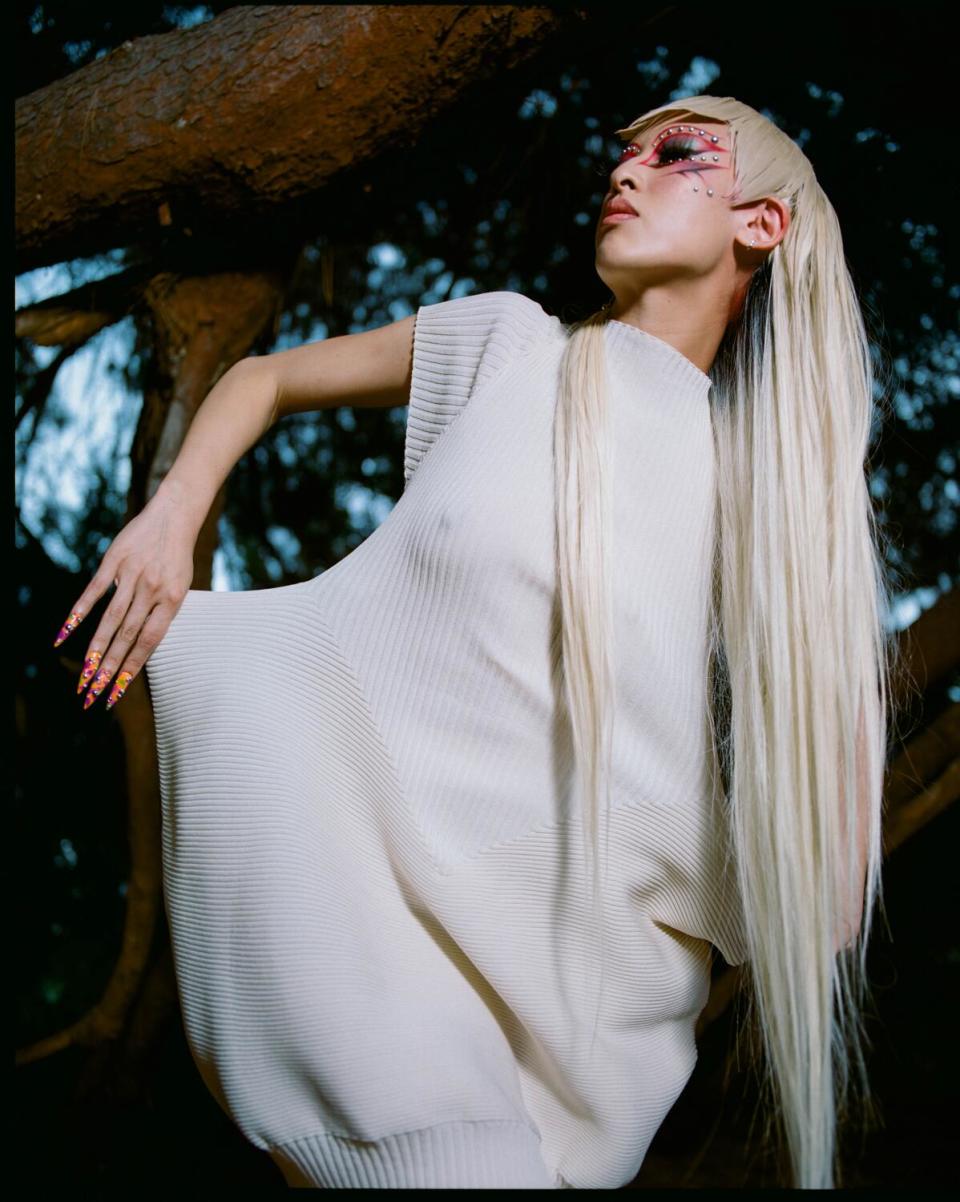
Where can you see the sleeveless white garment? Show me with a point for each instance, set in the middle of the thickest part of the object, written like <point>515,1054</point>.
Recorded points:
<point>374,869</point>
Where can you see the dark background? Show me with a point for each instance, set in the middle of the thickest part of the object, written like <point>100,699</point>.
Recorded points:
<point>502,192</point>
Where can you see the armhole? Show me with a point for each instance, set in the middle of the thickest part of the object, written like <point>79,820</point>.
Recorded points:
<point>458,346</point>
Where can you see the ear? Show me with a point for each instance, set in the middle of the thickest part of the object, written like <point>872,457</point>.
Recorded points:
<point>764,223</point>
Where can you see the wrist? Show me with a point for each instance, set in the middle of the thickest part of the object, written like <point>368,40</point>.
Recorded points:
<point>183,505</point>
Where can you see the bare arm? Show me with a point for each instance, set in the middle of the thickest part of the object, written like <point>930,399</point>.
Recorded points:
<point>151,559</point>
<point>372,368</point>
<point>854,918</point>
<point>235,413</point>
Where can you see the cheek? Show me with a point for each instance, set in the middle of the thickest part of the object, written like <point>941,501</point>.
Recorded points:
<point>706,177</point>
<point>684,172</point>
<point>695,203</point>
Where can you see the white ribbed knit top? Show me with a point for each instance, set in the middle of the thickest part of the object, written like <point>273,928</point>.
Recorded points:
<point>373,854</point>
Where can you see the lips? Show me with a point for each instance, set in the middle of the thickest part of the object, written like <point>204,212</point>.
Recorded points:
<point>619,206</point>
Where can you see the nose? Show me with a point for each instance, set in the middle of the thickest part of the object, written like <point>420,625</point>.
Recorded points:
<point>621,181</point>
<point>625,174</point>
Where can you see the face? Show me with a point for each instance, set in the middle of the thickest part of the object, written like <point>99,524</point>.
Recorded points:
<point>680,185</point>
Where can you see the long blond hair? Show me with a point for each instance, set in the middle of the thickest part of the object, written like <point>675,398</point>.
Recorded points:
<point>801,654</point>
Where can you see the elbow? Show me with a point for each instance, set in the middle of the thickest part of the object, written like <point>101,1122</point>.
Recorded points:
<point>850,928</point>
<point>258,369</point>
<point>846,937</point>
<point>853,891</point>
<point>852,909</point>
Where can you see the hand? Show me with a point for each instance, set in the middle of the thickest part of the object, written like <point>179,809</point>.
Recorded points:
<point>151,563</point>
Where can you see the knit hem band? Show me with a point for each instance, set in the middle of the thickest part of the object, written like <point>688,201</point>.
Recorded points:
<point>469,1154</point>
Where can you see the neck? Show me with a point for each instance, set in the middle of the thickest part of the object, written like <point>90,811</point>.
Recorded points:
<point>691,317</point>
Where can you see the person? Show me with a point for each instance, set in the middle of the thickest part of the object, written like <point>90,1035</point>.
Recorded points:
<point>633,580</point>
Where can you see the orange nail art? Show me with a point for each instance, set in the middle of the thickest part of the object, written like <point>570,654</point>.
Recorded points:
<point>100,682</point>
<point>69,626</point>
<point>90,665</point>
<point>118,689</point>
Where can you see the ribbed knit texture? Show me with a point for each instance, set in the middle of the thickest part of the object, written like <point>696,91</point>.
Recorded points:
<point>373,857</point>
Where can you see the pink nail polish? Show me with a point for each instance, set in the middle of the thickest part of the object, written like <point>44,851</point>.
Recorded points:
<point>69,626</point>
<point>100,682</point>
<point>90,665</point>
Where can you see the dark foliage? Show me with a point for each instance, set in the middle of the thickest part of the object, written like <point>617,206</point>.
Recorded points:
<point>501,193</point>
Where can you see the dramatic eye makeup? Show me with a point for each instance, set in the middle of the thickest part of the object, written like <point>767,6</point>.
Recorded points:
<point>671,150</point>
<point>678,144</point>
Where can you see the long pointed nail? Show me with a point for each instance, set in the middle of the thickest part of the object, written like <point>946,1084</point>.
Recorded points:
<point>100,682</point>
<point>90,665</point>
<point>68,627</point>
<point>118,688</point>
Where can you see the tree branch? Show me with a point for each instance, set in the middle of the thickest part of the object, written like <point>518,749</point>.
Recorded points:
<point>232,120</point>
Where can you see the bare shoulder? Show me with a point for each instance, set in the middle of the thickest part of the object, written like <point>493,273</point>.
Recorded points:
<point>371,368</point>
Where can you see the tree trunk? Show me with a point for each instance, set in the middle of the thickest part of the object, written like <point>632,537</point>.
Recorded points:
<point>198,327</point>
<point>211,125</point>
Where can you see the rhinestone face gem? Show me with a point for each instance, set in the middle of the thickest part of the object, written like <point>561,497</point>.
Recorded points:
<point>673,129</point>
<point>709,191</point>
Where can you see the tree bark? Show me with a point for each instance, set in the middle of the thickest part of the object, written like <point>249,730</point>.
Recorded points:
<point>244,114</point>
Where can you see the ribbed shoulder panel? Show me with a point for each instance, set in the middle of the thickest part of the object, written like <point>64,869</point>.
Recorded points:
<point>458,346</point>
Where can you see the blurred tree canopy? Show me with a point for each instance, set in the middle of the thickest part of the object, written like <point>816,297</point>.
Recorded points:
<point>501,191</point>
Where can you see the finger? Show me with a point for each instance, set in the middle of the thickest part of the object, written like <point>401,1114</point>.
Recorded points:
<point>151,634</point>
<point>88,598</point>
<point>116,634</point>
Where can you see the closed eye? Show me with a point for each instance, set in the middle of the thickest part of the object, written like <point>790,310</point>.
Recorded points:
<point>670,150</point>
